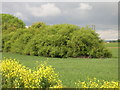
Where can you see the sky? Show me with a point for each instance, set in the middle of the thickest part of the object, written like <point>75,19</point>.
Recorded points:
<point>104,15</point>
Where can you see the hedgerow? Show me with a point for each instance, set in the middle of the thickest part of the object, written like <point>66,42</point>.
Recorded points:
<point>62,40</point>
<point>65,40</point>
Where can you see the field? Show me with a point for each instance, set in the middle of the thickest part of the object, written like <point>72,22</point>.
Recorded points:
<point>73,69</point>
<point>111,44</point>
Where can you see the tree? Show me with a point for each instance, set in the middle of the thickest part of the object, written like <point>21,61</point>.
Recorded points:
<point>11,23</point>
<point>38,25</point>
<point>118,40</point>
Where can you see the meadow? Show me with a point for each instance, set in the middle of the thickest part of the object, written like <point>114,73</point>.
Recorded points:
<point>72,70</point>
<point>115,44</point>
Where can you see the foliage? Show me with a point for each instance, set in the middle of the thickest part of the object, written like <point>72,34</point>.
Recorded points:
<point>11,23</point>
<point>16,41</point>
<point>60,40</point>
<point>18,44</point>
<point>15,75</point>
<point>94,83</point>
<point>38,25</point>
<point>66,40</point>
<point>118,40</point>
<point>9,39</point>
<point>6,42</point>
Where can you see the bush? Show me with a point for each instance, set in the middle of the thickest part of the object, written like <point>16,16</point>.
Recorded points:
<point>10,38</point>
<point>16,41</point>
<point>94,83</point>
<point>60,40</point>
<point>15,75</point>
<point>18,44</point>
<point>6,41</point>
<point>66,40</point>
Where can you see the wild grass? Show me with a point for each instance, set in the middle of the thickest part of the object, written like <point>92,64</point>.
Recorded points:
<point>73,69</point>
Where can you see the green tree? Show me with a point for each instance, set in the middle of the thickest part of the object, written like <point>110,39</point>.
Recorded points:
<point>11,23</point>
<point>60,40</point>
<point>38,25</point>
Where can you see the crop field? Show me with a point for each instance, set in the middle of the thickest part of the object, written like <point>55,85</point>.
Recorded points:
<point>71,70</point>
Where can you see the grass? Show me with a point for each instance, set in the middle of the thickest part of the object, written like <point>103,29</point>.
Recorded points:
<point>73,69</point>
<point>112,44</point>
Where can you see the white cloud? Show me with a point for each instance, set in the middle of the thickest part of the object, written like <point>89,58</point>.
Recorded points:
<point>48,9</point>
<point>60,1</point>
<point>108,34</point>
<point>20,15</point>
<point>84,6</point>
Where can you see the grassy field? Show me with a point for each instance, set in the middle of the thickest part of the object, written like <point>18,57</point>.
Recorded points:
<point>73,69</point>
<point>111,44</point>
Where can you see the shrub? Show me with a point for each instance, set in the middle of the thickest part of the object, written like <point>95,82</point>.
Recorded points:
<point>15,75</point>
<point>60,40</point>
<point>6,42</point>
<point>10,38</point>
<point>94,83</point>
<point>66,40</point>
<point>18,44</point>
<point>16,41</point>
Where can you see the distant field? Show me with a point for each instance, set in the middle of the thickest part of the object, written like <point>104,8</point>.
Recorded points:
<point>111,44</point>
<point>73,69</point>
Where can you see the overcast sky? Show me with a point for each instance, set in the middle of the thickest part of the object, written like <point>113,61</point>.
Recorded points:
<point>104,15</point>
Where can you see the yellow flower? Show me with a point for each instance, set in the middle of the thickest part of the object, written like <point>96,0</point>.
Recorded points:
<point>94,83</point>
<point>17,75</point>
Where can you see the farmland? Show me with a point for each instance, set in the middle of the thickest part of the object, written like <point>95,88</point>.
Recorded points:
<point>77,54</point>
<point>73,69</point>
<point>111,44</point>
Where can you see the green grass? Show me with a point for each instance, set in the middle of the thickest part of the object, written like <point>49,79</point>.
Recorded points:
<point>112,44</point>
<point>73,69</point>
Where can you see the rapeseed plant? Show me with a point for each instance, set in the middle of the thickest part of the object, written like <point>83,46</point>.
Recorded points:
<point>94,83</point>
<point>15,75</point>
